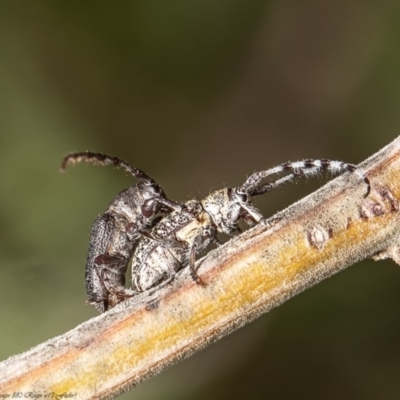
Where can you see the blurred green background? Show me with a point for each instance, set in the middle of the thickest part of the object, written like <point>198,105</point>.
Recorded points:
<point>198,94</point>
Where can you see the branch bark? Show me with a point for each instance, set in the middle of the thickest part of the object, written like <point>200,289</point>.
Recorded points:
<point>318,236</point>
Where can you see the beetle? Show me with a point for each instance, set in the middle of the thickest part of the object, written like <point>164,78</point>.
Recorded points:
<point>115,234</point>
<point>176,240</point>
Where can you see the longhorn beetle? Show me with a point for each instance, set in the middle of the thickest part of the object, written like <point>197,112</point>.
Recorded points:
<point>115,234</point>
<point>180,236</point>
<point>176,240</point>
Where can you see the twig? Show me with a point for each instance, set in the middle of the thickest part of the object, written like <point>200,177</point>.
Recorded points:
<point>253,273</point>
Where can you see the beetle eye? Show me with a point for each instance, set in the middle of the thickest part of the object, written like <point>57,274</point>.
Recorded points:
<point>242,197</point>
<point>130,227</point>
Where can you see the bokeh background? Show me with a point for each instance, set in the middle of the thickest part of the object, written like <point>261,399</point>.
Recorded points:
<point>198,94</point>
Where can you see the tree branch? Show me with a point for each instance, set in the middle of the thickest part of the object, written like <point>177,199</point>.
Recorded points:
<point>318,236</point>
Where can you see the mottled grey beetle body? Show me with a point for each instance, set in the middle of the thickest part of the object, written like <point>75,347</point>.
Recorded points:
<point>174,243</point>
<point>115,234</point>
<point>158,248</point>
<point>181,235</point>
<point>113,238</point>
